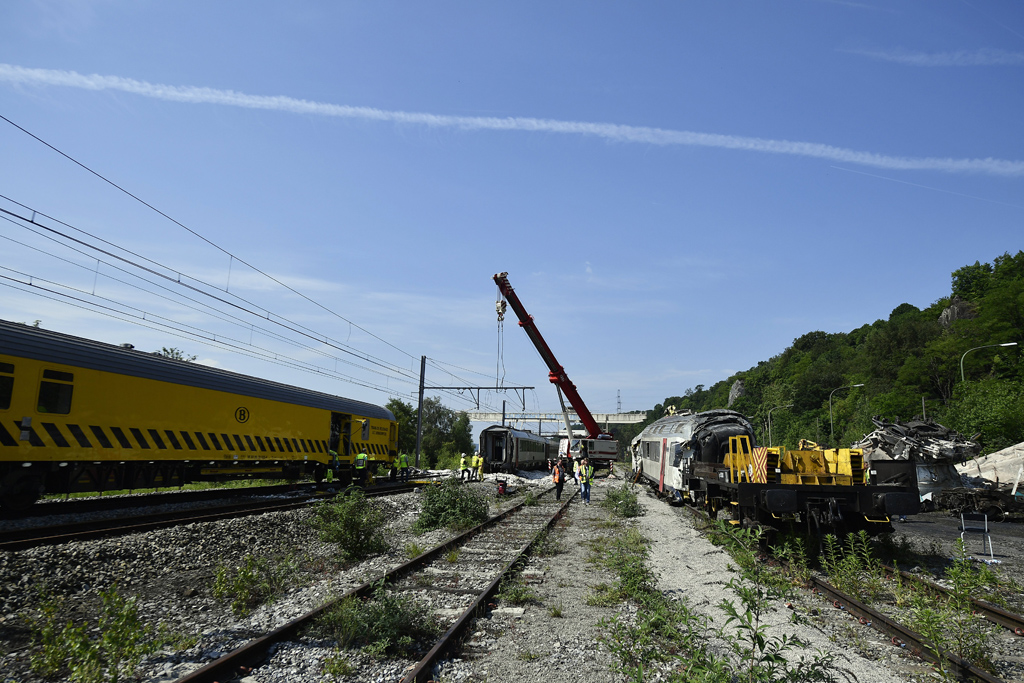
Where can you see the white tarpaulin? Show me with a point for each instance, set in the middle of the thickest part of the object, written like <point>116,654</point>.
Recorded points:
<point>1001,466</point>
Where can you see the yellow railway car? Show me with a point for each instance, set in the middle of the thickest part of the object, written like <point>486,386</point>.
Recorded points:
<point>81,415</point>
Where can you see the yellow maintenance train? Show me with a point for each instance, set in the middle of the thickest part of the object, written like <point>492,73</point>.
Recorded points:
<point>80,415</point>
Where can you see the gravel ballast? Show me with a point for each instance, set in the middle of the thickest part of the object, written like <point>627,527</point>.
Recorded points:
<point>557,637</point>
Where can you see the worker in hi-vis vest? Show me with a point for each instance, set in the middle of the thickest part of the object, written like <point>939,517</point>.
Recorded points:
<point>463,468</point>
<point>403,466</point>
<point>361,468</point>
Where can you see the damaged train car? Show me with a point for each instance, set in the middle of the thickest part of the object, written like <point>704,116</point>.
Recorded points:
<point>711,460</point>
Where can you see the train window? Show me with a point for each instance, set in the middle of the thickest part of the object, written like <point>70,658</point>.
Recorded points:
<point>55,397</point>
<point>6,385</point>
<point>366,430</point>
<point>59,376</point>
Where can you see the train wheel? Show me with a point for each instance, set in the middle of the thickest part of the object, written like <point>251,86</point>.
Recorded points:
<point>19,493</point>
<point>995,513</point>
<point>814,530</point>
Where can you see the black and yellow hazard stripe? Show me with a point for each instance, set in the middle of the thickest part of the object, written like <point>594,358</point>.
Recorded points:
<point>63,435</point>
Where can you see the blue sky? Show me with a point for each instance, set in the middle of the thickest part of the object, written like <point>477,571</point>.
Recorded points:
<point>677,190</point>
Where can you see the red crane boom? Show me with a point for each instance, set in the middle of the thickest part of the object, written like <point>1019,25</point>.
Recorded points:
<point>556,373</point>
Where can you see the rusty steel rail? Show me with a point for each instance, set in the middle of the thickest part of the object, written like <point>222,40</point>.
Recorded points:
<point>244,659</point>
<point>902,636</point>
<point>82,531</point>
<point>997,615</point>
<point>449,640</point>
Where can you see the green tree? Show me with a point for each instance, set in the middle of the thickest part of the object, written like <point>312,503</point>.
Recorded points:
<point>174,353</point>
<point>444,430</point>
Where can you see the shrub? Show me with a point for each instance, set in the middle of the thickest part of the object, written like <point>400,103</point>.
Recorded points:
<point>256,581</point>
<point>949,622</point>
<point>514,591</point>
<point>387,623</point>
<point>451,505</point>
<point>109,652</point>
<point>622,502</point>
<point>354,523</point>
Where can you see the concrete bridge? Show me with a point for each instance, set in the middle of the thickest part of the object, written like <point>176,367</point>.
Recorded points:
<point>600,418</point>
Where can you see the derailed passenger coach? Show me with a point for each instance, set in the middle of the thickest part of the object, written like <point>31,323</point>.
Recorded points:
<point>81,415</point>
<point>711,460</point>
<point>505,449</point>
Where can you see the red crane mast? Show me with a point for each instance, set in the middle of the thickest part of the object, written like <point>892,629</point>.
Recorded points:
<point>556,372</point>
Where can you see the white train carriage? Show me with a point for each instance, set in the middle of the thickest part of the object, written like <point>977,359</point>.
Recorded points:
<point>505,449</point>
<point>667,451</point>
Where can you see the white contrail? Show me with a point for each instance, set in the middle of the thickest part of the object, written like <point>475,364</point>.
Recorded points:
<point>608,131</point>
<point>982,57</point>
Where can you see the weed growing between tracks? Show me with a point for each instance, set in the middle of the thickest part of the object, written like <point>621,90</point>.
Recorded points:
<point>852,567</point>
<point>109,652</point>
<point>451,505</point>
<point>256,581</point>
<point>677,636</point>
<point>622,502</point>
<point>354,523</point>
<point>664,630</point>
<point>950,623</point>
<point>761,656</point>
<point>386,624</point>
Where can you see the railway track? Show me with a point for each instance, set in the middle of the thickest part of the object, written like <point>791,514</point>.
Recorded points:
<point>993,613</point>
<point>491,550</point>
<point>20,539</point>
<point>904,637</point>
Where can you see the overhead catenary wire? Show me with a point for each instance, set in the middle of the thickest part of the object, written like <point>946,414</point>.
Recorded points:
<point>249,307</point>
<point>204,239</point>
<point>201,307</point>
<point>294,327</point>
<point>265,315</point>
<point>152,323</point>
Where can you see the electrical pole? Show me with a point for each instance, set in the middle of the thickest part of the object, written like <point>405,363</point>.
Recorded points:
<point>419,411</point>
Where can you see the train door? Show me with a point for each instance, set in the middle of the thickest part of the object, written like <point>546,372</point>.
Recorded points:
<point>341,436</point>
<point>515,447</point>
<point>661,477</point>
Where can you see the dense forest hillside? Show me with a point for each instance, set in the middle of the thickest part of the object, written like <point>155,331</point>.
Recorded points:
<point>913,356</point>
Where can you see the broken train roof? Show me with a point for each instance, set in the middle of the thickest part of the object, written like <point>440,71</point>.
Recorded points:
<point>920,440</point>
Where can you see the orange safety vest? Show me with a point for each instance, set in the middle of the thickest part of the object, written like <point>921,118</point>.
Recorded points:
<point>556,474</point>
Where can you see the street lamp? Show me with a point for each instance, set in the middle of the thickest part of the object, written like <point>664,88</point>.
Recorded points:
<point>987,346</point>
<point>831,426</point>
<point>790,405</point>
